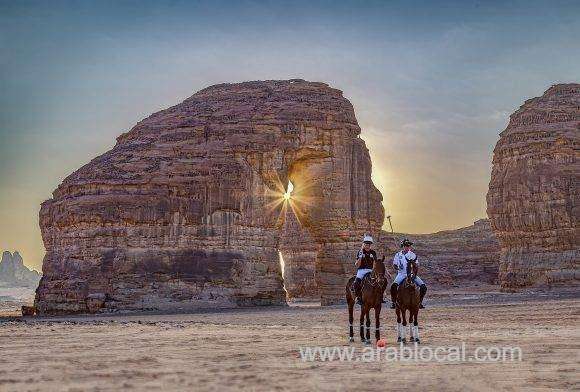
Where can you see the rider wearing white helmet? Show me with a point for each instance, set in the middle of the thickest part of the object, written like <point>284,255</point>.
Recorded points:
<point>400,263</point>
<point>364,264</point>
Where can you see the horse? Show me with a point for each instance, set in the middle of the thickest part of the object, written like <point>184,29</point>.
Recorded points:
<point>372,287</point>
<point>408,299</point>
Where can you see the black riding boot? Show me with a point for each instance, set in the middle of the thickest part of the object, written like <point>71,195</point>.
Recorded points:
<point>422,291</point>
<point>394,288</point>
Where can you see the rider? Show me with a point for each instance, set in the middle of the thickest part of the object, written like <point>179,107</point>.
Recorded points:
<point>400,264</point>
<point>364,264</point>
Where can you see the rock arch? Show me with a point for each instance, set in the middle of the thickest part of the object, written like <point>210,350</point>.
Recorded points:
<point>186,209</point>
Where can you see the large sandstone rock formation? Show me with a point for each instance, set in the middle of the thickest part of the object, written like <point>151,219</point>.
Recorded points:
<point>13,272</point>
<point>186,209</point>
<point>533,198</point>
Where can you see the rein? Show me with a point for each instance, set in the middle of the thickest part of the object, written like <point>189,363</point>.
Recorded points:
<point>375,281</point>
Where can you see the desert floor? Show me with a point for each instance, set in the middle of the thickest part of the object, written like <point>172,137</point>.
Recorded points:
<point>258,349</point>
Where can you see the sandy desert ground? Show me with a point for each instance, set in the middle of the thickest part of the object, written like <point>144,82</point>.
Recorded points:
<point>258,349</point>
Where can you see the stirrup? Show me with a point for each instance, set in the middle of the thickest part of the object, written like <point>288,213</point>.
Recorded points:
<point>393,305</point>
<point>421,306</point>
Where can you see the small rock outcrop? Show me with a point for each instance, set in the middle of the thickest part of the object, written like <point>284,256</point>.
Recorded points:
<point>186,209</point>
<point>533,197</point>
<point>13,272</point>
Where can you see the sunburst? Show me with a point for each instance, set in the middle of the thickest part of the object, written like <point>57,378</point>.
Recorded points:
<point>288,194</point>
<point>297,197</point>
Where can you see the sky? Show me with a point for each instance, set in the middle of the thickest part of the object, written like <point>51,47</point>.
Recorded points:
<point>432,84</point>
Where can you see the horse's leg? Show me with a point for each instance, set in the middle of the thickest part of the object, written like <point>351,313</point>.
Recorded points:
<point>362,322</point>
<point>368,324</point>
<point>378,322</point>
<point>350,302</point>
<point>416,325</point>
<point>411,336</point>
<point>350,319</point>
<point>398,311</point>
<point>404,328</point>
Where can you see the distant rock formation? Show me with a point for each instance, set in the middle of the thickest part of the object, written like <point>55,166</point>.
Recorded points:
<point>533,198</point>
<point>464,257</point>
<point>13,272</point>
<point>185,210</point>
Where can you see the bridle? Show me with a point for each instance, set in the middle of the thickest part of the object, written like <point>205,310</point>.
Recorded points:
<point>410,280</point>
<point>377,280</point>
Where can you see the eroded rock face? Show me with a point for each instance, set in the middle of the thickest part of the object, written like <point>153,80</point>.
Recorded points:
<point>298,251</point>
<point>533,199</point>
<point>185,210</point>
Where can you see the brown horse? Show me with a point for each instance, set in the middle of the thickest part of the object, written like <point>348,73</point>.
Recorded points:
<point>408,299</point>
<point>372,287</point>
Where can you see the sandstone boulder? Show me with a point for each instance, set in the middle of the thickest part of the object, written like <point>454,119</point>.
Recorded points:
<point>533,198</point>
<point>186,209</point>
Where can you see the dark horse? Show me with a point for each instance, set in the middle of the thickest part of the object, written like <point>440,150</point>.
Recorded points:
<point>372,287</point>
<point>408,299</point>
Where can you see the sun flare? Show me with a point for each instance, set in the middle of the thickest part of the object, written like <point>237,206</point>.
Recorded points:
<point>288,193</point>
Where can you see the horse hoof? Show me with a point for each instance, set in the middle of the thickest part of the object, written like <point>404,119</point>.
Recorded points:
<point>404,341</point>
<point>351,339</point>
<point>412,340</point>
<point>367,342</point>
<point>399,339</point>
<point>417,341</point>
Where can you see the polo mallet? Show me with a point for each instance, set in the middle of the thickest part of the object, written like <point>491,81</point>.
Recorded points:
<point>392,231</point>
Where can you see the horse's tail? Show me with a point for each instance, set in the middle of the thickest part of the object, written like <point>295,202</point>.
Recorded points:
<point>348,284</point>
<point>348,292</point>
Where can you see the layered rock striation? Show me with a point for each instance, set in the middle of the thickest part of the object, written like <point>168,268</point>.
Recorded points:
<point>186,209</point>
<point>533,198</point>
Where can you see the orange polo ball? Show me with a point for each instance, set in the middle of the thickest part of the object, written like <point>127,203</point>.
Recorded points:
<point>381,343</point>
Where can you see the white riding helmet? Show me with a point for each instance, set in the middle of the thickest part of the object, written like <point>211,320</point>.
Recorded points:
<point>367,238</point>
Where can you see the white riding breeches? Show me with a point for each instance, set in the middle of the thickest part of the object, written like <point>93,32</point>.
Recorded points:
<point>401,276</point>
<point>362,272</point>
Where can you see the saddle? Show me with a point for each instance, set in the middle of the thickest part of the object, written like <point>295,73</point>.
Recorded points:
<point>413,283</point>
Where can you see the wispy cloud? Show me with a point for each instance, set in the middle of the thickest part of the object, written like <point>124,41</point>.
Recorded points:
<point>432,84</point>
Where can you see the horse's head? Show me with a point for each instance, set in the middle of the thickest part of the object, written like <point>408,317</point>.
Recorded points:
<point>379,268</point>
<point>411,270</point>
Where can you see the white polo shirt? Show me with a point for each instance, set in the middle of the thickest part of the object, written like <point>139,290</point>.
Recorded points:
<point>401,259</point>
